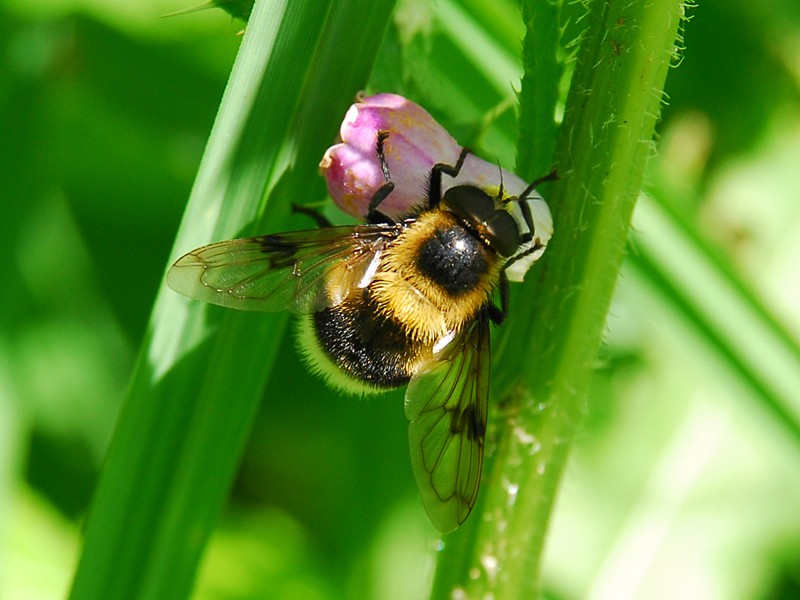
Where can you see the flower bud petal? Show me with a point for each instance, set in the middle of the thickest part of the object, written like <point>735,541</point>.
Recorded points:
<point>416,143</point>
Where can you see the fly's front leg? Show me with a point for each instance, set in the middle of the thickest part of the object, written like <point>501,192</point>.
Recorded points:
<point>527,216</point>
<point>536,247</point>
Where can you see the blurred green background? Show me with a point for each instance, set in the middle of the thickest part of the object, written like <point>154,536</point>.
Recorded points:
<point>685,479</point>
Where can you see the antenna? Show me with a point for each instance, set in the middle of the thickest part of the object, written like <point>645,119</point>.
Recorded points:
<point>500,191</point>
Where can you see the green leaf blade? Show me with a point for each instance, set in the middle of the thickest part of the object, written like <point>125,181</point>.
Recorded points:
<point>201,370</point>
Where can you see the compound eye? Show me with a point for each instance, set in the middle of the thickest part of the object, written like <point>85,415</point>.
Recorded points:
<point>477,208</point>
<point>502,232</point>
<point>470,203</point>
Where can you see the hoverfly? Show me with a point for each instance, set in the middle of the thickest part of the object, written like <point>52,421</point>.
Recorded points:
<point>392,302</point>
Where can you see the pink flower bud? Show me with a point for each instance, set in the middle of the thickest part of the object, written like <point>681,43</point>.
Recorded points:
<point>415,144</point>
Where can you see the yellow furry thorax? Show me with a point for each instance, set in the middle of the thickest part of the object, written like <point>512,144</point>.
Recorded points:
<point>406,295</point>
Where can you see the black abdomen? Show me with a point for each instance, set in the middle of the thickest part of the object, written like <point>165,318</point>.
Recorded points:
<point>367,347</point>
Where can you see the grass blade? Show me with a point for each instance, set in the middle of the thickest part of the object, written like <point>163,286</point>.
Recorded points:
<point>201,371</point>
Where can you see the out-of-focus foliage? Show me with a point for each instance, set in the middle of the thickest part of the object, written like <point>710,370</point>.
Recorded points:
<point>683,483</point>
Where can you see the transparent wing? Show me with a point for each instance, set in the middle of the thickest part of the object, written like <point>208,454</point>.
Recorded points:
<point>447,409</point>
<point>283,271</point>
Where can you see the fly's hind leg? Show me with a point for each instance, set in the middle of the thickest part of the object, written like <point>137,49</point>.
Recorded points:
<point>320,219</point>
<point>373,214</point>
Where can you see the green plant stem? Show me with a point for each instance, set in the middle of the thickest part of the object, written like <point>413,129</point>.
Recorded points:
<point>551,344</point>
<point>201,371</point>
